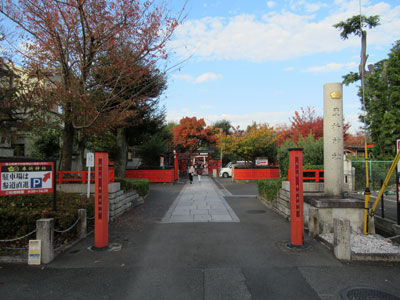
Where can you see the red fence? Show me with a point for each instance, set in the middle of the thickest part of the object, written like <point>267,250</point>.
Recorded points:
<point>255,174</point>
<point>80,176</point>
<point>315,175</point>
<point>152,175</point>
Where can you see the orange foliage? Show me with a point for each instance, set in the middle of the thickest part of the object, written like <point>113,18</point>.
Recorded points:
<point>357,139</point>
<point>191,133</point>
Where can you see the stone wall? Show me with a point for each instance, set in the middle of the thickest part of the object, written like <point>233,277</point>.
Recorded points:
<point>325,210</point>
<point>118,201</point>
<point>282,202</point>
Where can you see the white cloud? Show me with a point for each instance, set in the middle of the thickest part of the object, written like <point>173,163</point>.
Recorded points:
<point>199,79</point>
<point>242,120</point>
<point>331,67</point>
<point>207,106</point>
<point>313,7</point>
<point>280,35</point>
<point>288,69</point>
<point>270,4</point>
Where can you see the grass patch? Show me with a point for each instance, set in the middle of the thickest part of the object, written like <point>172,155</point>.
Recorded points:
<point>18,215</point>
<point>269,188</point>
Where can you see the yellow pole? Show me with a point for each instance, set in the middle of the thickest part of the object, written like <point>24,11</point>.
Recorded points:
<point>367,193</point>
<point>385,183</point>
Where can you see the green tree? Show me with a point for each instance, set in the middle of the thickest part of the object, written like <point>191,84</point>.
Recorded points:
<point>224,125</point>
<point>46,143</point>
<point>313,153</point>
<point>151,150</point>
<point>356,25</point>
<point>382,104</point>
<point>258,140</point>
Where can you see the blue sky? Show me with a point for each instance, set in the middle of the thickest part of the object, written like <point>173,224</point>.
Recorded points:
<point>259,61</point>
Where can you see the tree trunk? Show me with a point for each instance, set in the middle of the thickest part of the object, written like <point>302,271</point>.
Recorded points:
<point>68,144</point>
<point>121,159</point>
<point>81,150</point>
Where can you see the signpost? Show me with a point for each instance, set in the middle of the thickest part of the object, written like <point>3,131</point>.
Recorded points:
<point>89,164</point>
<point>28,177</point>
<point>34,252</point>
<point>101,201</point>
<point>296,198</point>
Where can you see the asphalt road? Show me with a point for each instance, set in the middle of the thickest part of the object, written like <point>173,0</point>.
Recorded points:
<point>242,260</point>
<point>389,205</point>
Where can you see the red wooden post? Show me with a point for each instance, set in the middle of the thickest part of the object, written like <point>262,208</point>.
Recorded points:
<point>84,177</point>
<point>101,201</point>
<point>316,175</point>
<point>296,197</point>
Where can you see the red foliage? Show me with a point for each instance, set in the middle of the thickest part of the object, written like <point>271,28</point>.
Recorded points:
<point>302,124</point>
<point>306,121</point>
<point>357,139</point>
<point>191,133</point>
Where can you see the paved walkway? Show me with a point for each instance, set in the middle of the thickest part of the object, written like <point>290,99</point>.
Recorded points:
<point>198,261</point>
<point>200,202</point>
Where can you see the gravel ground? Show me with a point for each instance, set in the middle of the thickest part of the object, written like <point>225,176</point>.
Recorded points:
<point>367,244</point>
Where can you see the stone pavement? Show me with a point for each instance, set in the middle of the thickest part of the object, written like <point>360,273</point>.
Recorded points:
<point>197,260</point>
<point>200,202</point>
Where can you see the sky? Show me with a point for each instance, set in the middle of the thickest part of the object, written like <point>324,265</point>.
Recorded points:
<point>260,61</point>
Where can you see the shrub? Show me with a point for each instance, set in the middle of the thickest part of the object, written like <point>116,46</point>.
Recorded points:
<point>18,214</point>
<point>283,157</point>
<point>141,185</point>
<point>269,188</point>
<point>313,153</point>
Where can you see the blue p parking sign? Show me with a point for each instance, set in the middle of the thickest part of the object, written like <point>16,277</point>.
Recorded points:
<point>36,183</point>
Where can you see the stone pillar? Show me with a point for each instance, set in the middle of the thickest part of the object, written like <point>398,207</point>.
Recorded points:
<point>313,222</point>
<point>333,140</point>
<point>83,223</point>
<point>45,233</point>
<point>341,239</point>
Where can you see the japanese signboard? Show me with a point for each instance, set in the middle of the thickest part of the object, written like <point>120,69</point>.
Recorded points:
<point>261,161</point>
<point>34,252</point>
<point>26,178</point>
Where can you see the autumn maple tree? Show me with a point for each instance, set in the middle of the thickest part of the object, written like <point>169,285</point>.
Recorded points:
<point>303,123</point>
<point>69,39</point>
<point>192,133</point>
<point>258,140</point>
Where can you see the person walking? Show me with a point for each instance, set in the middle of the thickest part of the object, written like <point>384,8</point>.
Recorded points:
<point>191,172</point>
<point>199,172</point>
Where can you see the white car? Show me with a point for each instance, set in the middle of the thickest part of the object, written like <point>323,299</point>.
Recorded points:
<point>226,171</point>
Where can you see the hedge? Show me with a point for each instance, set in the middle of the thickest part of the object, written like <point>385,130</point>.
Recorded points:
<point>269,188</point>
<point>18,214</point>
<point>141,185</point>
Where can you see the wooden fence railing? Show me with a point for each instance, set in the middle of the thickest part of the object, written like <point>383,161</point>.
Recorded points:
<point>315,175</point>
<point>81,176</point>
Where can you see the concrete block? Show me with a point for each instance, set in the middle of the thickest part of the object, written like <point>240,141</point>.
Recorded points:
<point>45,233</point>
<point>341,239</point>
<point>286,185</point>
<point>115,194</point>
<point>313,187</point>
<point>75,188</point>
<point>114,187</point>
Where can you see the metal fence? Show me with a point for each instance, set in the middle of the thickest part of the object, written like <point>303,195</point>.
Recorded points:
<point>377,170</point>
